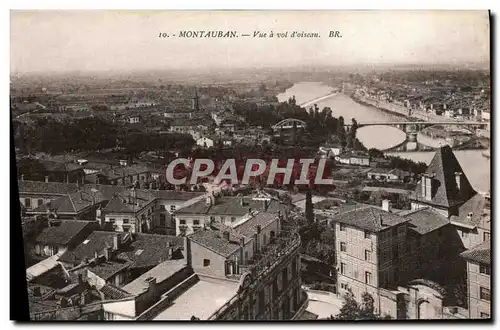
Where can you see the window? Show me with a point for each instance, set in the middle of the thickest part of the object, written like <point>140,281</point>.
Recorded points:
<point>109,316</point>
<point>162,207</point>
<point>484,269</point>
<point>112,220</point>
<point>126,229</point>
<point>368,278</point>
<point>125,221</point>
<point>196,222</point>
<point>401,230</point>
<point>206,262</point>
<point>342,227</point>
<point>172,208</point>
<point>233,219</point>
<point>464,234</point>
<point>484,293</point>
<point>27,202</point>
<point>486,236</point>
<point>342,268</point>
<point>222,219</point>
<point>394,231</point>
<point>368,255</point>
<point>344,286</point>
<point>212,219</point>
<point>367,234</point>
<point>40,202</point>
<point>343,247</point>
<point>485,315</point>
<point>182,222</point>
<point>162,220</point>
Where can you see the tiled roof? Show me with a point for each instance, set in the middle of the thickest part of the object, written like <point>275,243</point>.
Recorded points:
<point>175,195</point>
<point>424,220</point>
<point>75,202</point>
<point>215,241</point>
<point>96,242</point>
<point>113,292</point>
<point>227,205</point>
<point>443,167</point>
<point>46,187</point>
<point>154,249</point>
<point>475,205</point>
<point>262,219</point>
<point>53,166</point>
<point>127,202</point>
<point>480,253</point>
<point>63,233</point>
<point>107,269</point>
<point>161,272</point>
<point>144,250</point>
<point>368,218</point>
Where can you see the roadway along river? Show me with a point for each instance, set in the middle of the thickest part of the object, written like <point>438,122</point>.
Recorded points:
<point>476,167</point>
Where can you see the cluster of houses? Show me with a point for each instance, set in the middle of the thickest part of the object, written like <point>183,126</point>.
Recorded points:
<point>115,252</point>
<point>473,108</point>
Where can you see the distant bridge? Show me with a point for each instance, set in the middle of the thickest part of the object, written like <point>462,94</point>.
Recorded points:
<point>318,99</point>
<point>289,123</point>
<point>411,128</point>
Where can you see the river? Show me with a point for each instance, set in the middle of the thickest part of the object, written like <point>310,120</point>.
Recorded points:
<point>475,166</point>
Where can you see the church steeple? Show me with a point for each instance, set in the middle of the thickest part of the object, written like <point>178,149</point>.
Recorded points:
<point>196,101</point>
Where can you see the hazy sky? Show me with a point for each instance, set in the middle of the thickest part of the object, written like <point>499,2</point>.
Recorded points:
<point>118,40</point>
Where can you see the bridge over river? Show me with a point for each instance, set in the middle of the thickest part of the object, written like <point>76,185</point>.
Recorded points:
<point>318,99</point>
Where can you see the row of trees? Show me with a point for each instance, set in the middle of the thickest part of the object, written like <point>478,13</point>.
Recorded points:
<point>87,134</point>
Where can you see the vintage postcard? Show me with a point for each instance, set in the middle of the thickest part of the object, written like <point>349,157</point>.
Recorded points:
<point>252,165</point>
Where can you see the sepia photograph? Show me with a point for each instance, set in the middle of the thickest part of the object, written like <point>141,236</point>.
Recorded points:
<point>239,165</point>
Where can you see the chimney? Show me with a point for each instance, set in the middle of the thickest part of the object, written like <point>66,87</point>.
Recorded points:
<point>250,210</point>
<point>386,205</point>
<point>422,185</point>
<point>46,178</point>
<point>96,255</point>
<point>225,234</point>
<point>22,177</point>
<point>36,291</point>
<point>458,180</point>
<point>115,242</point>
<point>170,252</point>
<point>381,220</point>
<point>242,247</point>
<point>187,251</point>
<point>265,202</point>
<point>258,229</point>
<point>151,282</point>
<point>107,253</point>
<point>242,201</point>
<point>208,201</point>
<point>80,279</point>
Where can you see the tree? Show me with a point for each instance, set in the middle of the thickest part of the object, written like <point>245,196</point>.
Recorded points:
<point>350,309</point>
<point>309,207</point>
<point>367,307</point>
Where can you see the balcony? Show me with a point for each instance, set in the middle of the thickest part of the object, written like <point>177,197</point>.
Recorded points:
<point>271,254</point>
<point>265,262</point>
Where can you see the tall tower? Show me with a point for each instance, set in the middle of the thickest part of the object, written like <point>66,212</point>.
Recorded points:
<point>196,101</point>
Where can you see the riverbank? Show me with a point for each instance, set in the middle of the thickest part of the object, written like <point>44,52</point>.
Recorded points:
<point>369,104</point>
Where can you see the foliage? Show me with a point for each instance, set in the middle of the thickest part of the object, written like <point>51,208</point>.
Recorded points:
<point>86,134</point>
<point>351,310</point>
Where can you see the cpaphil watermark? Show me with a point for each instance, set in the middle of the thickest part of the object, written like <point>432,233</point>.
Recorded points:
<point>304,171</point>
